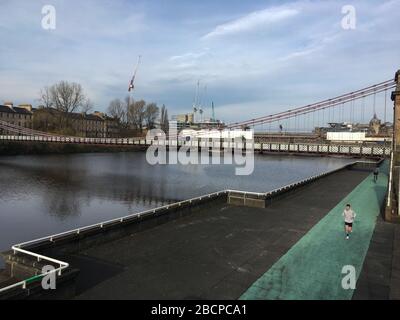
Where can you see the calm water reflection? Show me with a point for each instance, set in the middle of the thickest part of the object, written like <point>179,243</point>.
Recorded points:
<point>41,195</point>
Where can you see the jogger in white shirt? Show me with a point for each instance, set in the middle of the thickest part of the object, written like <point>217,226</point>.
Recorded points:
<point>349,216</point>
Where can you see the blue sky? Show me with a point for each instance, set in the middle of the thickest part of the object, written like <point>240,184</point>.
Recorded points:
<point>255,57</point>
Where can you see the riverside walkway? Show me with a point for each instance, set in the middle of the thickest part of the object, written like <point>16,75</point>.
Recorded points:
<point>311,269</point>
<point>220,252</point>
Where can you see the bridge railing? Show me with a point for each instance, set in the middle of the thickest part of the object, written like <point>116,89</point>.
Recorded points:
<point>309,147</point>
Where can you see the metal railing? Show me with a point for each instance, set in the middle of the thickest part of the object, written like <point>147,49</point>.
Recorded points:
<point>63,265</point>
<point>299,148</point>
<point>298,183</point>
<point>389,198</point>
<point>17,248</point>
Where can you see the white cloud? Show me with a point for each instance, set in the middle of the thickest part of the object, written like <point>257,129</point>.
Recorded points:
<point>252,21</point>
<point>186,56</point>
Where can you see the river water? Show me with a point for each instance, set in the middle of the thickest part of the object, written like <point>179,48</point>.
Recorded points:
<point>42,195</point>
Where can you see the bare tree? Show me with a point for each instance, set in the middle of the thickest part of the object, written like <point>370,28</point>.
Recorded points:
<point>66,97</point>
<point>117,109</point>
<point>45,97</point>
<point>135,114</point>
<point>87,106</point>
<point>164,119</point>
<point>150,115</point>
<point>128,103</point>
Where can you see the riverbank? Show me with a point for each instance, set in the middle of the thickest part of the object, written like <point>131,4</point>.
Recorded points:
<point>13,148</point>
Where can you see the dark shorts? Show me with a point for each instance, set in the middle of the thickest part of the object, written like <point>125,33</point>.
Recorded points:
<point>349,224</point>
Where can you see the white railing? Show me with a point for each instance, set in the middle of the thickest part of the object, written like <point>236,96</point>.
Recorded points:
<point>298,183</point>
<point>320,148</point>
<point>389,198</point>
<point>17,248</point>
<point>63,265</point>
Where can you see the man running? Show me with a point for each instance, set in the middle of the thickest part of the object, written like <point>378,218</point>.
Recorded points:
<point>349,216</point>
<point>376,172</point>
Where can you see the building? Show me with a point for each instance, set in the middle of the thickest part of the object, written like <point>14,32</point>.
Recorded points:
<point>183,120</point>
<point>94,125</point>
<point>374,128</point>
<point>187,121</point>
<point>111,128</point>
<point>21,116</point>
<point>87,125</point>
<point>375,125</point>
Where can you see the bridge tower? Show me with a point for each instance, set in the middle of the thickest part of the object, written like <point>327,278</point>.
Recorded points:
<point>392,212</point>
<point>396,123</point>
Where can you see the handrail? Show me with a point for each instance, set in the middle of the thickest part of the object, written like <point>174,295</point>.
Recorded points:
<point>23,283</point>
<point>389,198</point>
<point>64,265</point>
<point>366,150</point>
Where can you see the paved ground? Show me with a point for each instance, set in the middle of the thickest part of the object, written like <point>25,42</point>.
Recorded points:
<point>312,269</point>
<point>5,280</point>
<point>216,254</point>
<point>380,275</point>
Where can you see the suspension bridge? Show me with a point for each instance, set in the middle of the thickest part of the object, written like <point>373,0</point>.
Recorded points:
<point>328,106</point>
<point>345,108</point>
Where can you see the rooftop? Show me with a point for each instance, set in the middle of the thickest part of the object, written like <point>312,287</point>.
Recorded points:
<point>18,110</point>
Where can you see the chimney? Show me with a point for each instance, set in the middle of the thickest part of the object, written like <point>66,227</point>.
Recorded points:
<point>26,106</point>
<point>8,104</point>
<point>99,114</point>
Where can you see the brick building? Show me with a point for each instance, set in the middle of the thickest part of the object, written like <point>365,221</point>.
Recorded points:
<point>95,125</point>
<point>21,115</point>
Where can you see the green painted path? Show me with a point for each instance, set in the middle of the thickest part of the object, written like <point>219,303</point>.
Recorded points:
<point>312,268</point>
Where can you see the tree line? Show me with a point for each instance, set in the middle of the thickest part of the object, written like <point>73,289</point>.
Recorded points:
<point>134,115</point>
<point>69,97</point>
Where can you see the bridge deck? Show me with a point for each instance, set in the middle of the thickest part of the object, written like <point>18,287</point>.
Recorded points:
<point>214,254</point>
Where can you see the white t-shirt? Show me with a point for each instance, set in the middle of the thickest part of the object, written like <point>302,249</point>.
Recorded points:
<point>349,215</point>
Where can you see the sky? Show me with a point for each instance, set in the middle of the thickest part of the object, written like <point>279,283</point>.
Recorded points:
<point>252,58</point>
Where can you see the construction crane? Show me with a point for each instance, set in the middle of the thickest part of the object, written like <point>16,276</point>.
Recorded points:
<point>196,101</point>
<point>131,84</point>
<point>203,102</point>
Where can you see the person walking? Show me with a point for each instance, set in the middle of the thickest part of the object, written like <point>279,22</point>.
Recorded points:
<point>349,216</point>
<point>376,173</point>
